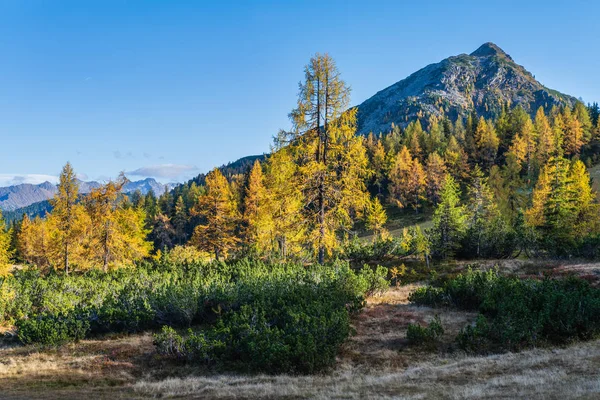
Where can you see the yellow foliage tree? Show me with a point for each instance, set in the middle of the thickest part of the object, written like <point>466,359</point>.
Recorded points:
<point>376,218</point>
<point>33,239</point>
<point>436,173</point>
<point>118,235</point>
<point>218,209</point>
<point>68,224</point>
<point>6,253</point>
<point>332,158</point>
<point>286,203</point>
<point>257,218</point>
<point>399,178</point>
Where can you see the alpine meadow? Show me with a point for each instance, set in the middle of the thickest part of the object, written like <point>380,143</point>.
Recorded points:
<point>440,239</point>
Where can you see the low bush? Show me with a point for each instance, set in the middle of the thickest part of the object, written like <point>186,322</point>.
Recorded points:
<point>280,325</point>
<point>52,330</point>
<point>428,335</point>
<point>257,316</point>
<point>518,313</point>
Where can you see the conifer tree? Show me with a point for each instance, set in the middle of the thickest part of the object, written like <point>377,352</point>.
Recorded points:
<point>257,217</point>
<point>162,233</point>
<point>581,114</point>
<point>456,160</point>
<point>485,228</point>
<point>573,133</point>
<point>118,235</point>
<point>436,173</point>
<point>332,159</point>
<point>34,241</point>
<point>286,204</point>
<point>399,178</point>
<point>486,142</point>
<point>6,253</point>
<point>562,210</point>
<point>416,185</point>
<point>379,165</point>
<point>180,220</point>
<point>546,146</point>
<point>414,138</point>
<point>449,221</point>
<point>69,221</point>
<point>218,211</point>
<point>376,219</point>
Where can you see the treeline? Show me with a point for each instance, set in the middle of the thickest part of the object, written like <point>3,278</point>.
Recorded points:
<point>494,189</point>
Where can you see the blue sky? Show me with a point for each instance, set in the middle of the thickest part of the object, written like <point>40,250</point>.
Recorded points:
<point>173,88</point>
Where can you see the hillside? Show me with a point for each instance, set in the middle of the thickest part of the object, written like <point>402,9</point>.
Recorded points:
<point>480,82</point>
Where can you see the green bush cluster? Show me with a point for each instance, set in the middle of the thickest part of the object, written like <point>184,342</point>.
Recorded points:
<point>255,315</point>
<point>427,335</point>
<point>278,324</point>
<point>518,313</point>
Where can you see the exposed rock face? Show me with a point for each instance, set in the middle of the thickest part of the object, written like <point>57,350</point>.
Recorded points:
<point>483,81</point>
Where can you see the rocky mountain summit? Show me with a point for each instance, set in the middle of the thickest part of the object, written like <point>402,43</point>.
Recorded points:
<point>483,81</point>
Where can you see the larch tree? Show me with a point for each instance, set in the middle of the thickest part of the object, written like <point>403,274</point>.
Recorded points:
<point>580,112</point>
<point>69,221</point>
<point>486,142</point>
<point>436,173</point>
<point>573,133</point>
<point>414,138</point>
<point>288,234</point>
<point>562,210</point>
<point>376,219</point>
<point>118,234</point>
<point>456,159</point>
<point>417,185</point>
<point>399,178</point>
<point>218,211</point>
<point>257,221</point>
<point>546,146</point>
<point>33,239</point>
<point>332,158</point>
<point>6,253</point>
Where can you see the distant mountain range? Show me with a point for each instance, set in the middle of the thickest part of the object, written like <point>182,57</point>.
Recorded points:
<point>483,81</point>
<point>23,195</point>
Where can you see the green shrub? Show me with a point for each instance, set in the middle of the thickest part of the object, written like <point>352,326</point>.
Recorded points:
<point>52,330</point>
<point>256,316</point>
<point>518,313</point>
<point>418,335</point>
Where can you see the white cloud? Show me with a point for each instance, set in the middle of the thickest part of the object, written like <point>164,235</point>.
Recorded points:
<point>35,179</point>
<point>169,171</point>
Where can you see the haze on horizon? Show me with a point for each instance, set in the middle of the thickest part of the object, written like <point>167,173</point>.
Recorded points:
<point>171,89</point>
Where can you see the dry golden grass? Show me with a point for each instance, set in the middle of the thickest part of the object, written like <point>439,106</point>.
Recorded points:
<point>377,362</point>
<point>538,374</point>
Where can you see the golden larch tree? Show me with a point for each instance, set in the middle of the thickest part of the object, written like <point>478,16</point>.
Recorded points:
<point>218,210</point>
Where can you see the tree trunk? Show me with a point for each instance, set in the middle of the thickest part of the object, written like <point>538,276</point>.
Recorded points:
<point>105,265</point>
<point>66,258</point>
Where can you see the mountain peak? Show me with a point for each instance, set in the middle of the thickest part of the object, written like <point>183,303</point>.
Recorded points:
<point>489,49</point>
<point>483,82</point>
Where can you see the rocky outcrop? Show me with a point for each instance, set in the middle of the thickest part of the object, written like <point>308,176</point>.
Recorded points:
<point>483,81</point>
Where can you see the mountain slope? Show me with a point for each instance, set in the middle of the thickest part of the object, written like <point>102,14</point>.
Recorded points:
<point>483,81</point>
<point>18,196</point>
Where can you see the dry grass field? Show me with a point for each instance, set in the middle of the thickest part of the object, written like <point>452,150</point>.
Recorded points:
<point>376,363</point>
